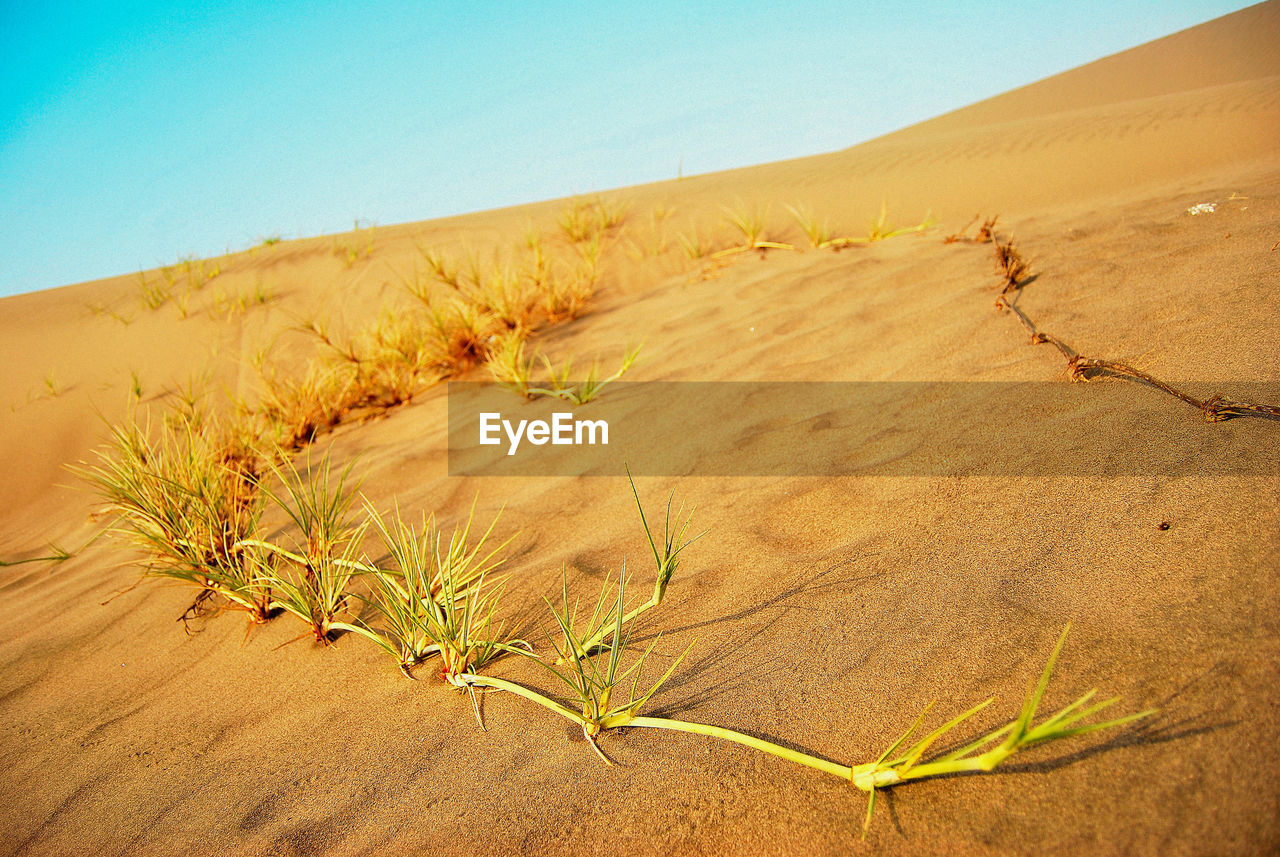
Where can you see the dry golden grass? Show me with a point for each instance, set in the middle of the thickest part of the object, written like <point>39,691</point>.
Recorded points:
<point>1013,268</point>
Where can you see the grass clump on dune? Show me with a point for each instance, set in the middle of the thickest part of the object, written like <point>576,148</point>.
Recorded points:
<point>666,556</point>
<point>565,298</point>
<point>315,591</point>
<point>311,576</point>
<point>231,305</point>
<point>655,243</point>
<point>442,267</point>
<point>881,229</point>
<point>319,506</point>
<point>562,386</point>
<point>399,359</point>
<point>590,648</point>
<point>153,294</point>
<point>582,220</point>
<point>506,297</point>
<point>750,224</point>
<point>576,221</point>
<point>295,410</point>
<point>54,386</point>
<point>356,245</point>
<point>459,336</point>
<point>984,754</point>
<point>384,364</point>
<point>510,367</point>
<point>439,598</point>
<point>446,333</point>
<point>198,272</point>
<point>387,362</point>
<point>600,697</point>
<point>188,499</point>
<point>692,244</point>
<point>821,238</point>
<point>818,233</point>
<point>100,309</point>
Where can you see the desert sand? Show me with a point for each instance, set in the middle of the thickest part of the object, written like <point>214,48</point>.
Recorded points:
<point>827,611</point>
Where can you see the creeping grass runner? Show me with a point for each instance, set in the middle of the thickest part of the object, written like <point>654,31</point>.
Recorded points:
<point>820,237</point>
<point>199,516</point>
<point>896,765</point>
<point>592,679</point>
<point>437,600</point>
<point>590,653</point>
<point>666,558</point>
<point>880,228</point>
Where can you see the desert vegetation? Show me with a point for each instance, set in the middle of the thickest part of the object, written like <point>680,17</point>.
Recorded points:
<point>197,503</point>
<point>821,237</point>
<point>186,494</point>
<point>228,305</point>
<point>224,504</point>
<point>439,599</point>
<point>464,310</point>
<point>176,283</point>
<point>750,224</point>
<point>592,680</point>
<point>751,231</point>
<point>1014,273</point>
<point>325,617</point>
<point>509,366</point>
<point>984,235</point>
<point>357,245</point>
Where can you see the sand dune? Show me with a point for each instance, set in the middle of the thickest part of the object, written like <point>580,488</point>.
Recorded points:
<point>827,610</point>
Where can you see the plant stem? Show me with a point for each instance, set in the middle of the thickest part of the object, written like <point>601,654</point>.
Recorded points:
<point>790,755</point>
<point>520,690</point>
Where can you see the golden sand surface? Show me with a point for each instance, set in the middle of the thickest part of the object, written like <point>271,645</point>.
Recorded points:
<point>826,611</point>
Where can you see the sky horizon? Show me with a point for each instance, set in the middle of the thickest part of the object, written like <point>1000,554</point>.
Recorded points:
<point>135,133</point>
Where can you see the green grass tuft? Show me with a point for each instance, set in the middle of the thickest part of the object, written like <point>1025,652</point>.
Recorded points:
<point>309,578</point>
<point>187,498</point>
<point>597,684</point>
<point>439,598</point>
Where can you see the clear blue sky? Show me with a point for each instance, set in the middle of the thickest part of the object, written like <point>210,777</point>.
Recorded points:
<point>135,132</point>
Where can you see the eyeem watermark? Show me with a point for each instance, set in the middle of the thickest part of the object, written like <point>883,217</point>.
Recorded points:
<point>561,430</point>
<point>859,429</point>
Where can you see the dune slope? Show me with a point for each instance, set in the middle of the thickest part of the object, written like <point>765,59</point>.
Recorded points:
<point>827,612</point>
